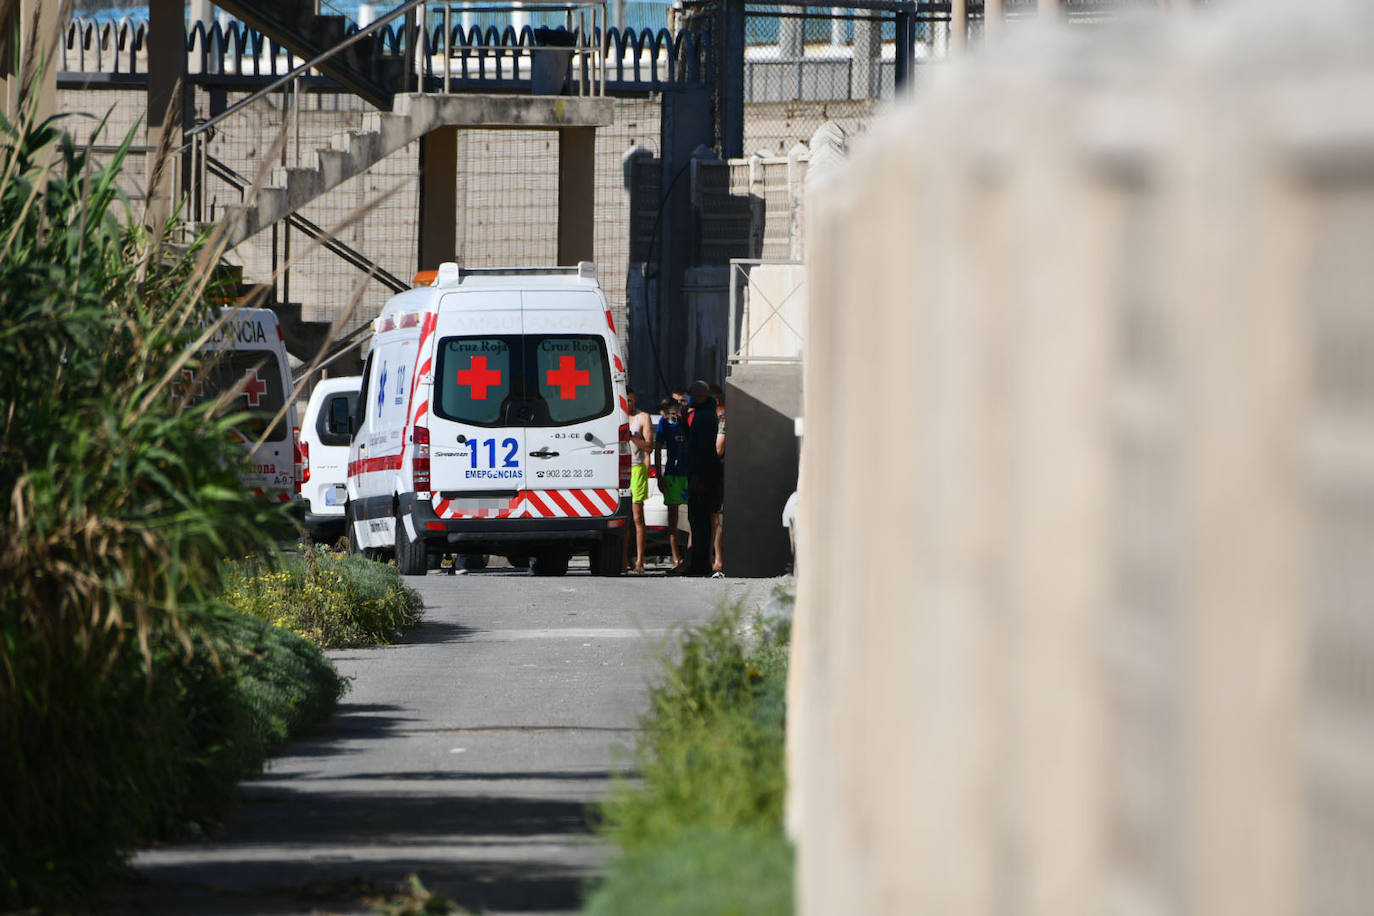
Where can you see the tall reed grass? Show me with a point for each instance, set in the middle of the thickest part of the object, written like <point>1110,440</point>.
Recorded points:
<point>118,690</point>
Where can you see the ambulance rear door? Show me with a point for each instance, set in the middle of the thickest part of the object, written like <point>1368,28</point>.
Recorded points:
<point>476,447</point>
<point>572,434</point>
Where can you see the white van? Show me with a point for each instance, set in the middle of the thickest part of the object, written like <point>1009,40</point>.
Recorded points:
<point>248,348</point>
<point>492,420</point>
<point>325,438</point>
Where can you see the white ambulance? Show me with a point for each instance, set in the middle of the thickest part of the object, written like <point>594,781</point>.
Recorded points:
<point>248,348</point>
<point>325,439</point>
<point>492,420</point>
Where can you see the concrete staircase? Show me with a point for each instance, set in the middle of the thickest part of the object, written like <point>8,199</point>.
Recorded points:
<point>412,116</point>
<point>297,26</point>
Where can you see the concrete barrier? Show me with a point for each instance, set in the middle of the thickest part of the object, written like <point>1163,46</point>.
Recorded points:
<point>1088,484</point>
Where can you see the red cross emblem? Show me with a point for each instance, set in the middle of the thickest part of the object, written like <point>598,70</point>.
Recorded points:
<point>254,389</point>
<point>479,378</point>
<point>186,388</point>
<point>567,377</point>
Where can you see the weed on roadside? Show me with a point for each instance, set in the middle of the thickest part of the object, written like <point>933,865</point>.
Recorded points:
<point>336,602</point>
<point>703,831</point>
<point>412,898</point>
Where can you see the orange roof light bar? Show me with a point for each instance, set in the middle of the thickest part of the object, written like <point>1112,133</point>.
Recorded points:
<point>425,278</point>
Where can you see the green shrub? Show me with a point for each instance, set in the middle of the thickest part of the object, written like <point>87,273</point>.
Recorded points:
<point>118,503</point>
<point>337,602</point>
<point>704,831</point>
<point>701,872</point>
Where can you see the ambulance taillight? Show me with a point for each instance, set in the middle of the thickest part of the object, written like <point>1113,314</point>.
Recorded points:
<point>305,464</point>
<point>299,448</point>
<point>624,455</point>
<point>420,462</point>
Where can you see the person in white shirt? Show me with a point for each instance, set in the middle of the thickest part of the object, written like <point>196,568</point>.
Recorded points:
<point>641,447</point>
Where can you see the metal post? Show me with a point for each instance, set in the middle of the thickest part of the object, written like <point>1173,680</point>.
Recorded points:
<point>902,57</point>
<point>411,56</point>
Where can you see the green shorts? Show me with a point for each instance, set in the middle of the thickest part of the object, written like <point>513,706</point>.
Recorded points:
<point>639,482</point>
<point>674,489</point>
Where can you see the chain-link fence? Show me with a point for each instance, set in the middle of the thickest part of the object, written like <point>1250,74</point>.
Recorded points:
<point>805,65</point>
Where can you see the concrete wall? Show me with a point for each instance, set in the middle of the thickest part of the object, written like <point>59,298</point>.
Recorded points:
<point>760,466</point>
<point>1083,609</point>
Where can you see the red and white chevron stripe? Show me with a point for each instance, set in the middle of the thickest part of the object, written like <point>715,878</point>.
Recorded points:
<point>539,504</point>
<point>280,496</point>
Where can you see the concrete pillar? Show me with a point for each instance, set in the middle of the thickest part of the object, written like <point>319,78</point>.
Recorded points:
<point>438,237</point>
<point>168,105</point>
<point>958,26</point>
<point>865,61</point>
<point>29,36</point>
<point>992,17</point>
<point>760,466</point>
<point>576,194</point>
<point>791,33</point>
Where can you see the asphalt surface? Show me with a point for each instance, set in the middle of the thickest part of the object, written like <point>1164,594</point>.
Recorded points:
<point>469,754</point>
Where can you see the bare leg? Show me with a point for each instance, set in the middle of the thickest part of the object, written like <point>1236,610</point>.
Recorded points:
<point>717,542</point>
<point>672,533</point>
<point>639,536</point>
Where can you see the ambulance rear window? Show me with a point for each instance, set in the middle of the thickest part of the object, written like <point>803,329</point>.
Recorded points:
<point>475,378</point>
<point>570,372</point>
<point>523,380</point>
<point>261,395</point>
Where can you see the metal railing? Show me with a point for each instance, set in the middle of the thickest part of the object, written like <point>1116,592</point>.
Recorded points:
<point>583,24</point>
<point>483,57</point>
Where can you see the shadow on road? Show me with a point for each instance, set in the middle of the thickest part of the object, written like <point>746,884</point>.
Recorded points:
<point>437,632</point>
<point>339,887</point>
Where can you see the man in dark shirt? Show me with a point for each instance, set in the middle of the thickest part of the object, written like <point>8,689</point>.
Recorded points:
<point>705,477</point>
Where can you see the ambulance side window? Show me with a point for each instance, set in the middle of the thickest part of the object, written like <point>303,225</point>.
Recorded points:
<point>360,410</point>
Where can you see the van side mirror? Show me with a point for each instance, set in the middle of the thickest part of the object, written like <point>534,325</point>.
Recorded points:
<point>352,426</point>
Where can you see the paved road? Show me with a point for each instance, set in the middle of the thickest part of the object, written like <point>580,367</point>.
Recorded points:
<point>468,753</point>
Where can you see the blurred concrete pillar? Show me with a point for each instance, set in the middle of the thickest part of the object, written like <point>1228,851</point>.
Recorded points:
<point>958,26</point>
<point>576,195</point>
<point>438,198</point>
<point>1105,647</point>
<point>992,17</point>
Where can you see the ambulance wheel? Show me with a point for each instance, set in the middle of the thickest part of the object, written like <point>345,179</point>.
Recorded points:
<point>412,558</point>
<point>551,563</point>
<point>605,557</point>
<point>518,560</point>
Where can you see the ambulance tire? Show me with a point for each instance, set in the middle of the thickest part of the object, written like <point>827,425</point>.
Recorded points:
<point>605,557</point>
<point>412,557</point>
<point>518,560</point>
<point>551,563</point>
<point>351,532</point>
